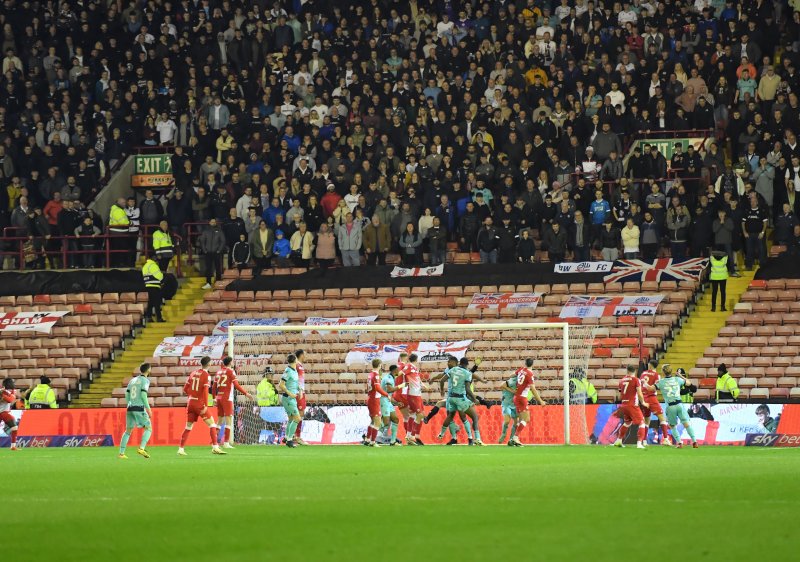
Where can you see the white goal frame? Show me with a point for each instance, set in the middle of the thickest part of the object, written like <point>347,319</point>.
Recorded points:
<point>428,327</point>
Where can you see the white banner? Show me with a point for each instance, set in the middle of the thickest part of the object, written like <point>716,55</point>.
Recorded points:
<point>192,347</point>
<point>596,307</point>
<point>238,361</point>
<point>337,321</point>
<point>505,300</point>
<point>30,321</point>
<point>584,267</point>
<point>432,271</point>
<point>222,326</point>
<point>390,352</point>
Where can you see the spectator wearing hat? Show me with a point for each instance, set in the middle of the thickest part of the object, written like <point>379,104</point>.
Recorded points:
<point>41,397</point>
<point>727,390</point>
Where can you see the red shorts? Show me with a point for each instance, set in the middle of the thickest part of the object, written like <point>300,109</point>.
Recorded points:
<point>630,414</point>
<point>652,406</point>
<point>401,399</point>
<point>8,419</point>
<point>374,407</point>
<point>196,410</point>
<point>301,401</point>
<point>224,407</point>
<point>521,404</point>
<point>415,404</point>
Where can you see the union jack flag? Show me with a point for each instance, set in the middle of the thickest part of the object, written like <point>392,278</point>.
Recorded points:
<point>664,269</point>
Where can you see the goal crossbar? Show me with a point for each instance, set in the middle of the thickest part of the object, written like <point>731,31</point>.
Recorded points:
<point>563,326</point>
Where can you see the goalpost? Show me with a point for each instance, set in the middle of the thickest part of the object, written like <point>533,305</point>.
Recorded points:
<point>337,360</point>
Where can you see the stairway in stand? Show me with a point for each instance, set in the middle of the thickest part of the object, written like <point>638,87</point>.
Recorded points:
<point>703,326</point>
<point>189,295</point>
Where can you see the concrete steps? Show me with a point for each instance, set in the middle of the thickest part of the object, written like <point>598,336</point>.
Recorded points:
<point>142,346</point>
<point>702,326</point>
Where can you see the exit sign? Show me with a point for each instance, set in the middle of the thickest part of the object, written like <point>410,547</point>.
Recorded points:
<point>152,170</point>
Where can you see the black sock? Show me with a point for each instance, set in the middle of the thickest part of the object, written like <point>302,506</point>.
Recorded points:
<point>433,412</point>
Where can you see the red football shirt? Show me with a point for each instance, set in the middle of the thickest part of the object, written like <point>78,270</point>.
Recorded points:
<point>374,390</point>
<point>225,381</point>
<point>627,389</point>
<point>8,399</point>
<point>197,385</point>
<point>649,377</point>
<point>414,380</point>
<point>301,377</point>
<point>524,381</point>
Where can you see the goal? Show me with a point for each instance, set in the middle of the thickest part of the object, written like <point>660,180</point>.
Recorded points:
<point>336,363</point>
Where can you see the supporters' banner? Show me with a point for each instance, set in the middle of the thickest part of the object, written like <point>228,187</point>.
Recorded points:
<point>584,267</point>
<point>596,307</point>
<point>30,321</point>
<point>664,269</point>
<point>389,352</point>
<point>337,321</point>
<point>193,347</point>
<point>222,326</point>
<point>505,300</point>
<point>715,424</point>
<point>432,271</point>
<point>238,361</point>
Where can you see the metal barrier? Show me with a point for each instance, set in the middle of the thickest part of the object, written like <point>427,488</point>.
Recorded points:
<point>66,248</point>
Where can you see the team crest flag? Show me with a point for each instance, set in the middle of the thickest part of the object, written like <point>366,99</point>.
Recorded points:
<point>664,269</point>
<point>433,271</point>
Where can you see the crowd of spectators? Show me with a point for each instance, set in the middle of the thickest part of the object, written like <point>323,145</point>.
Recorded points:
<point>311,131</point>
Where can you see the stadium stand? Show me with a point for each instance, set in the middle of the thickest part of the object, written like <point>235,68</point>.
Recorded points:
<point>760,343</point>
<point>618,341</point>
<point>81,344</point>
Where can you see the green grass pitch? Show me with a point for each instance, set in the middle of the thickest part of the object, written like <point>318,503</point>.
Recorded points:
<point>409,503</point>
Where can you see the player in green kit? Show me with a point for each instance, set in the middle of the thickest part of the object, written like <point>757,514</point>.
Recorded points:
<point>139,413</point>
<point>289,389</point>
<point>459,397</point>
<point>509,389</point>
<point>388,414</point>
<point>670,388</point>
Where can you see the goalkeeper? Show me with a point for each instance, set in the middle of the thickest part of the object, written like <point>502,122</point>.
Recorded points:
<point>670,388</point>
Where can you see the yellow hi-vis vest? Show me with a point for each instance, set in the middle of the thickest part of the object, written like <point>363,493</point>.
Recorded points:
<point>719,268</point>
<point>162,244</point>
<point>582,390</point>
<point>118,221</point>
<point>726,384</point>
<point>265,394</point>
<point>152,274</point>
<point>42,397</point>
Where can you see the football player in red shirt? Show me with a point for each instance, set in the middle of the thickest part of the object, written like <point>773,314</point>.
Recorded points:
<point>630,390</point>
<point>524,383</point>
<point>224,383</point>
<point>301,396</point>
<point>651,404</point>
<point>416,409</point>
<point>374,393</point>
<point>401,396</point>
<point>8,398</point>
<point>196,388</point>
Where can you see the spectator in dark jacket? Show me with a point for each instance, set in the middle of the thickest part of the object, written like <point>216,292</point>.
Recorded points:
<point>526,249</point>
<point>241,252</point>
<point>580,239</point>
<point>212,245</point>
<point>610,240</point>
<point>437,240</point>
<point>555,242</point>
<point>784,225</point>
<point>233,227</point>
<point>468,228</point>
<point>487,242</point>
<point>650,236</point>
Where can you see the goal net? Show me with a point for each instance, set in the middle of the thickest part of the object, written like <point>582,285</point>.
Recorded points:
<point>337,361</point>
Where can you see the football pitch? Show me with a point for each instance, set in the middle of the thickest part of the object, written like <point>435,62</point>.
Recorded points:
<point>425,503</point>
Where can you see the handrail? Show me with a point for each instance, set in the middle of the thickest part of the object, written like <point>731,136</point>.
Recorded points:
<point>104,248</point>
